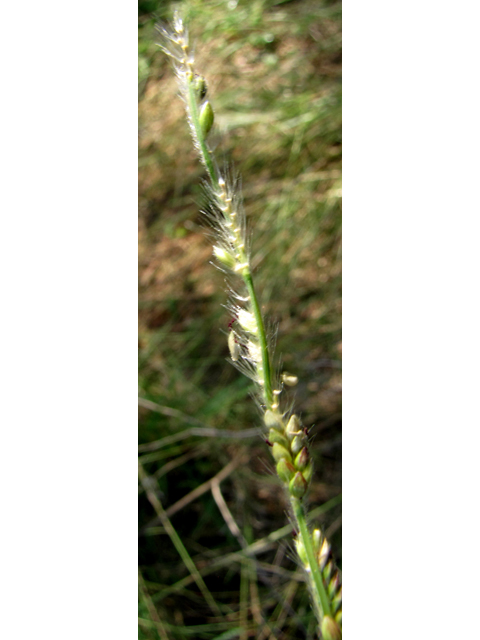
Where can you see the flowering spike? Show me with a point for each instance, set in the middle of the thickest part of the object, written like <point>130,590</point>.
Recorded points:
<point>247,343</point>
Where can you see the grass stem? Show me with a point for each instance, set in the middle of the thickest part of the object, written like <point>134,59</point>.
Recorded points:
<point>249,350</point>
<point>314,574</point>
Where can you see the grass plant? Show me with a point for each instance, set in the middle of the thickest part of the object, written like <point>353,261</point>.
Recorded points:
<point>250,350</point>
<point>255,611</point>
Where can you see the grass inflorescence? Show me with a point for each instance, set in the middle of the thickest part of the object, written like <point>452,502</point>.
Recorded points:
<point>249,346</point>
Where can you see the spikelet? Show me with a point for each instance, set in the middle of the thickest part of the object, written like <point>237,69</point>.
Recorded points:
<point>200,85</point>
<point>233,346</point>
<point>206,118</point>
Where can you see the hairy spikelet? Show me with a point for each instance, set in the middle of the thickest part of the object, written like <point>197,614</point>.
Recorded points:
<point>226,217</point>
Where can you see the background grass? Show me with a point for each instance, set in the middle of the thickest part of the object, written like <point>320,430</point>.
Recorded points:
<point>274,76</point>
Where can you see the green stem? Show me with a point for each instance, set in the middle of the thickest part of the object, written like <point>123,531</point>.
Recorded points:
<point>320,593</point>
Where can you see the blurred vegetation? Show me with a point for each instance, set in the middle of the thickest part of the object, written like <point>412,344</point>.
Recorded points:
<point>274,76</point>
